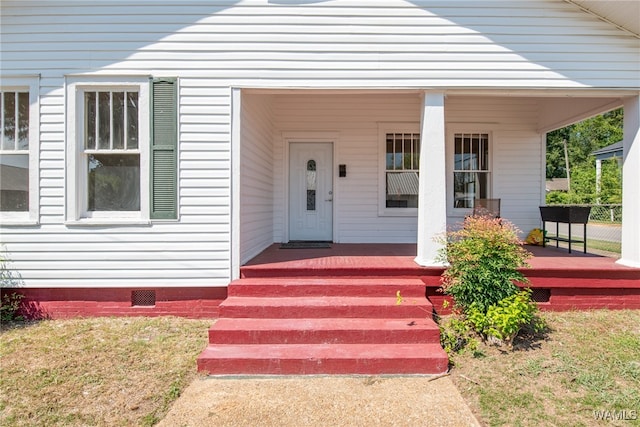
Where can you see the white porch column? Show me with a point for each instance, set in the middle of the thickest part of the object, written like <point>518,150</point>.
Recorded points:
<point>432,203</point>
<point>631,184</point>
<point>236,115</point>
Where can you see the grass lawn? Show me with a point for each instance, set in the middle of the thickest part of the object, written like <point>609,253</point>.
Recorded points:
<point>606,246</point>
<point>127,371</point>
<point>600,247</point>
<point>588,361</point>
<point>96,371</point>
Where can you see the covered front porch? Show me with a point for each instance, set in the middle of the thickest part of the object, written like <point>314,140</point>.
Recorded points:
<point>397,167</point>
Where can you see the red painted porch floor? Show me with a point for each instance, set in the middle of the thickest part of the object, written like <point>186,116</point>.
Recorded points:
<point>392,259</point>
<point>334,311</point>
<point>401,256</point>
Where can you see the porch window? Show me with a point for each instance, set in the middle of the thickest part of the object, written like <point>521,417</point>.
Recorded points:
<point>401,171</point>
<point>471,168</point>
<point>19,177</point>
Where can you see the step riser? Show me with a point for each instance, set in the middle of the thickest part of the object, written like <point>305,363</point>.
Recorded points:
<point>323,337</point>
<point>350,311</point>
<point>240,290</point>
<point>401,273</point>
<point>427,365</point>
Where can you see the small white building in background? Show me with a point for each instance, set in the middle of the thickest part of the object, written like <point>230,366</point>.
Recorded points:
<point>169,142</point>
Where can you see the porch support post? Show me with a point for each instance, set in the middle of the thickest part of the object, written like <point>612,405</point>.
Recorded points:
<point>234,231</point>
<point>432,205</point>
<point>631,183</point>
<point>598,178</point>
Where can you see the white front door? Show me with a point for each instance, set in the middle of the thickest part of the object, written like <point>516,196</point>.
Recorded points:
<point>311,191</point>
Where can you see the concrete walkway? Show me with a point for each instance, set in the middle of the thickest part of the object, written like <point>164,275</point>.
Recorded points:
<point>326,401</point>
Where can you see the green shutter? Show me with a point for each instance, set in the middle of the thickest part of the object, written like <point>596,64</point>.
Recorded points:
<point>164,147</point>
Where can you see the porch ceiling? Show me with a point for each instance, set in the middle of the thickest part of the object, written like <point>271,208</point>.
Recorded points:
<point>558,108</point>
<point>556,113</point>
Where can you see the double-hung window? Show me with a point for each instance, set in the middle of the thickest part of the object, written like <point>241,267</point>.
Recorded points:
<point>400,145</point>
<point>471,169</point>
<point>111,152</point>
<point>19,150</point>
<point>108,123</point>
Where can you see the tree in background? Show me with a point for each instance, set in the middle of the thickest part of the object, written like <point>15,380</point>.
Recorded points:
<point>583,138</point>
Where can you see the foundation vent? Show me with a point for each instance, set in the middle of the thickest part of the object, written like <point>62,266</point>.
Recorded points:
<point>144,298</point>
<point>540,295</point>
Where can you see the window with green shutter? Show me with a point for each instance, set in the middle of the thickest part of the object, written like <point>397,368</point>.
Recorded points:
<point>164,144</point>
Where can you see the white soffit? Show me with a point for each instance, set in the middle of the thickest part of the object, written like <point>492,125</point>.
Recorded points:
<point>624,14</point>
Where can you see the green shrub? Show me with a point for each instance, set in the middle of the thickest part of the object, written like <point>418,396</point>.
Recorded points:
<point>484,258</point>
<point>506,319</point>
<point>9,306</point>
<point>456,334</point>
<point>10,301</point>
<point>477,319</point>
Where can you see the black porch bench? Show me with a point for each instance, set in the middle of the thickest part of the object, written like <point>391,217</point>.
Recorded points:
<point>567,215</point>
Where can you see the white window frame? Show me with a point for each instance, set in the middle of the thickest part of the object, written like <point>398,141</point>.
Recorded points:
<point>383,129</point>
<point>31,84</point>
<point>77,212</point>
<point>450,155</point>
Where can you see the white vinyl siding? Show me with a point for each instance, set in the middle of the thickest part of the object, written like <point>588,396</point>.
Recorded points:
<point>256,176</point>
<point>340,43</point>
<point>194,252</point>
<point>394,45</point>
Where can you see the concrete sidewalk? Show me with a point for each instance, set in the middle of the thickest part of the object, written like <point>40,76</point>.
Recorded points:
<point>325,401</point>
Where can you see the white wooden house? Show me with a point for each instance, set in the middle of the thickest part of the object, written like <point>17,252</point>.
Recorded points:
<point>169,142</point>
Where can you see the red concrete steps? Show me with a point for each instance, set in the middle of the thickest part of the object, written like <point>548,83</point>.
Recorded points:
<point>324,325</point>
<point>323,330</point>
<point>327,286</point>
<point>302,307</point>
<point>335,270</point>
<point>311,359</point>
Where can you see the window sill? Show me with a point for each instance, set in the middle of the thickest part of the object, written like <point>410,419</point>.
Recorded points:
<point>107,222</point>
<point>400,212</point>
<point>17,222</point>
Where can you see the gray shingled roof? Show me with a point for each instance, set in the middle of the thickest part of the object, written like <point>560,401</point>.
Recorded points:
<point>613,150</point>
